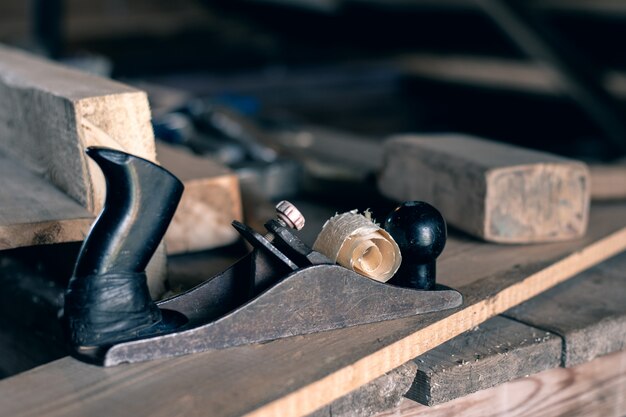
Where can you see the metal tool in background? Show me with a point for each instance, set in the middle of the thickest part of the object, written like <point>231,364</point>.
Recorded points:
<point>213,129</point>
<point>281,288</point>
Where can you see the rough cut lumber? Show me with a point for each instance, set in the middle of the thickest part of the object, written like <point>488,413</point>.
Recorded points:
<point>588,312</point>
<point>210,202</point>
<point>608,182</point>
<point>379,395</point>
<point>497,351</point>
<point>34,212</point>
<point>574,323</point>
<point>261,380</point>
<point>49,115</point>
<point>500,193</point>
<point>594,389</point>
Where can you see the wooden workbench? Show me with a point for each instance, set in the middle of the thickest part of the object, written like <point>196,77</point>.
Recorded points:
<point>295,376</point>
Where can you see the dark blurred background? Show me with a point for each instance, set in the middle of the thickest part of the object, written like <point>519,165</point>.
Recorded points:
<point>543,74</point>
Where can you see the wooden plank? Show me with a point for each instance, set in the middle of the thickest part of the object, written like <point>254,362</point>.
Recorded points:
<point>497,351</point>
<point>608,181</point>
<point>261,380</point>
<point>49,114</point>
<point>588,312</point>
<point>594,389</point>
<point>210,202</point>
<point>379,395</point>
<point>34,212</point>
<point>500,193</point>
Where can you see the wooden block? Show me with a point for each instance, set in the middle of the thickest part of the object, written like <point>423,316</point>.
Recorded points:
<point>494,191</point>
<point>261,380</point>
<point>497,351</point>
<point>210,202</point>
<point>594,389</point>
<point>49,114</point>
<point>588,312</point>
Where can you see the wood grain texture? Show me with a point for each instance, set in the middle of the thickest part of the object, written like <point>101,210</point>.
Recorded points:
<point>210,202</point>
<point>34,212</point>
<point>381,394</point>
<point>594,389</point>
<point>588,312</point>
<point>49,114</point>
<point>498,192</point>
<point>497,351</point>
<point>297,375</point>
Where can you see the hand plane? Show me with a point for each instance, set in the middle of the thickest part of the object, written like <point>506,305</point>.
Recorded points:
<point>281,288</point>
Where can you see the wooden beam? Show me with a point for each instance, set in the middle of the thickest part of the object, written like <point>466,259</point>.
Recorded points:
<point>34,212</point>
<point>495,352</point>
<point>594,389</point>
<point>49,114</point>
<point>210,202</point>
<point>261,380</point>
<point>570,324</point>
<point>497,192</point>
<point>588,312</point>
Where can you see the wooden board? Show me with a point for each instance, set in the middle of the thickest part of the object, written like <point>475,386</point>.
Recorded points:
<point>570,324</point>
<point>379,395</point>
<point>49,114</point>
<point>34,212</point>
<point>588,312</point>
<point>497,351</point>
<point>497,192</point>
<point>594,389</point>
<point>296,376</point>
<point>608,181</point>
<point>210,202</point>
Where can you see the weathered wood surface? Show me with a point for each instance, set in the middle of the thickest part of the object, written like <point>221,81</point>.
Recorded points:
<point>34,212</point>
<point>48,116</point>
<point>494,352</point>
<point>500,193</point>
<point>210,202</point>
<point>570,324</point>
<point>261,380</point>
<point>588,312</point>
<point>593,389</point>
<point>379,395</point>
